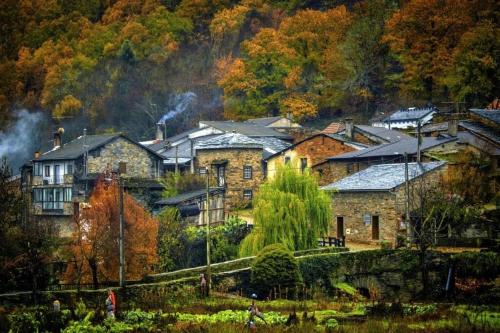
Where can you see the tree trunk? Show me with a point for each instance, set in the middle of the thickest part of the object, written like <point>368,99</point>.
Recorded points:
<point>424,272</point>
<point>93,268</point>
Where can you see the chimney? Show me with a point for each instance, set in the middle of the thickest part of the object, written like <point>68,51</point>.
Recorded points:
<point>37,154</point>
<point>159,132</point>
<point>452,127</point>
<point>349,128</point>
<point>58,137</point>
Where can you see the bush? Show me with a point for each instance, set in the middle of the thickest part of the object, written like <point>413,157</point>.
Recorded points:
<point>274,267</point>
<point>25,322</point>
<point>477,264</point>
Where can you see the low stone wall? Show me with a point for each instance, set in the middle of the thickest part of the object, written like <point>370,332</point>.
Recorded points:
<point>389,274</point>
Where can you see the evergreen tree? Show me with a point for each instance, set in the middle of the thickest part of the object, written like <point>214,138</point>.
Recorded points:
<point>290,209</point>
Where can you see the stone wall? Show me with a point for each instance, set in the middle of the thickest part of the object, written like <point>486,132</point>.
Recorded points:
<point>140,163</point>
<point>235,183</point>
<point>353,207</point>
<point>315,149</point>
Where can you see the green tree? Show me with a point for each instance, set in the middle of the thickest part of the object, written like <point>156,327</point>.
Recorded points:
<point>290,209</point>
<point>474,75</point>
<point>274,269</point>
<point>171,249</point>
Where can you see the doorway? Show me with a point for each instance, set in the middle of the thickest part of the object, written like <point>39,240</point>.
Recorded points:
<point>340,227</point>
<point>375,227</point>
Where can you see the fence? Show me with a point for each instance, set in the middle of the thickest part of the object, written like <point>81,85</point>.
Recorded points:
<point>331,241</point>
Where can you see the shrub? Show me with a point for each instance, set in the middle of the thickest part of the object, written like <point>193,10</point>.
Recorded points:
<point>274,267</point>
<point>25,322</point>
<point>477,264</point>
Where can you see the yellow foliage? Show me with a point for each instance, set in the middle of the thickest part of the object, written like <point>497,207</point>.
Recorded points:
<point>69,106</point>
<point>299,107</point>
<point>228,21</point>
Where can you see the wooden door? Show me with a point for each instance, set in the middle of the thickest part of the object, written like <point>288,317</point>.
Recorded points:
<point>340,227</point>
<point>375,227</point>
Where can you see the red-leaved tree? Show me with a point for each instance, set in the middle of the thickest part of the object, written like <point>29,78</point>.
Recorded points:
<point>94,250</point>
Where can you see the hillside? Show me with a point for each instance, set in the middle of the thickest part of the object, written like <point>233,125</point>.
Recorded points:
<point>120,65</point>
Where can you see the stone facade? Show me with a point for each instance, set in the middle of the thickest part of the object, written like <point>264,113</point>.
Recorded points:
<point>373,216</point>
<point>140,164</point>
<point>233,160</point>
<point>332,171</point>
<point>314,150</point>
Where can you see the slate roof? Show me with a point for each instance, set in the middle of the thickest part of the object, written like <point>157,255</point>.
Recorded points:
<point>481,130</point>
<point>382,177</point>
<point>397,148</point>
<point>272,145</point>
<point>434,127</point>
<point>75,148</point>
<point>188,196</point>
<point>409,114</point>
<point>388,135</point>
<point>334,128</point>
<point>248,129</point>
<point>229,141</point>
<point>492,115</point>
<point>266,121</point>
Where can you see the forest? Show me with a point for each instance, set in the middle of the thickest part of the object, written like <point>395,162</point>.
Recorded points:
<point>120,65</point>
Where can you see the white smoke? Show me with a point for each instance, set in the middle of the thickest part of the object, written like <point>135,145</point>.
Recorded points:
<point>180,103</point>
<point>19,141</point>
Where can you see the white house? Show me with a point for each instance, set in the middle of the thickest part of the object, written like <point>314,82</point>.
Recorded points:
<point>407,118</point>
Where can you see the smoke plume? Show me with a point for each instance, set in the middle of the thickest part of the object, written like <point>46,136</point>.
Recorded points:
<point>181,102</point>
<point>20,140</point>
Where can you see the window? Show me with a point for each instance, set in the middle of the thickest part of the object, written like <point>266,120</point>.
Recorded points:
<point>247,172</point>
<point>202,171</point>
<point>38,195</point>
<point>221,175</point>
<point>47,171</point>
<point>303,164</point>
<point>247,194</point>
<point>287,159</point>
<point>69,169</point>
<point>37,169</point>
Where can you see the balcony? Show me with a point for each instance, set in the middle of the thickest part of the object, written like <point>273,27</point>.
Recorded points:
<point>53,180</point>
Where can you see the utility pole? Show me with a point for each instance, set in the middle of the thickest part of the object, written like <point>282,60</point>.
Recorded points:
<point>419,141</point>
<point>176,159</point>
<point>407,203</point>
<point>122,169</point>
<point>207,210</point>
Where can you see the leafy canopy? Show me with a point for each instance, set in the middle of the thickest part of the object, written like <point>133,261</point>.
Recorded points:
<point>290,209</point>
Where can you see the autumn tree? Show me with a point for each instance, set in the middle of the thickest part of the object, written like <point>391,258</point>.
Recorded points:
<point>290,209</point>
<point>297,68</point>
<point>423,36</point>
<point>93,255</point>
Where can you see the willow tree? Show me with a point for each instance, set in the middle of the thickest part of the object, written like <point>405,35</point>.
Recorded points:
<point>289,209</point>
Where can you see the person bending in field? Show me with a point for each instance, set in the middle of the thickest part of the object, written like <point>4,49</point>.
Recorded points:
<point>254,312</point>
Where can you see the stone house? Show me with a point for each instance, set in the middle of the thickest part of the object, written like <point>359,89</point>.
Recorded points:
<point>370,135</point>
<point>369,206</point>
<point>62,178</point>
<point>234,162</point>
<point>179,151</point>
<point>313,150</point>
<point>340,166</point>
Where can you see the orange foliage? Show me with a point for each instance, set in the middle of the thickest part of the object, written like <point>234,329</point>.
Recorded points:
<point>424,33</point>
<point>94,251</point>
